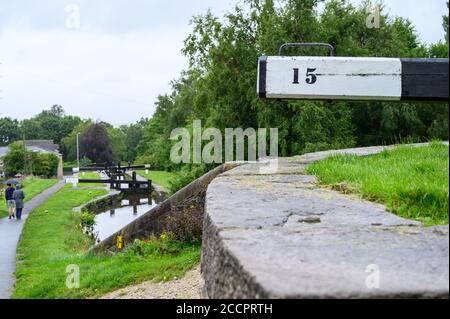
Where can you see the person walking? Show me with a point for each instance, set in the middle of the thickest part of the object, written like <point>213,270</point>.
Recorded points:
<point>18,197</point>
<point>10,202</point>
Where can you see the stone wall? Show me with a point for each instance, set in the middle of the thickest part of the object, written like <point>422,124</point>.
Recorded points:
<point>181,215</point>
<point>278,235</point>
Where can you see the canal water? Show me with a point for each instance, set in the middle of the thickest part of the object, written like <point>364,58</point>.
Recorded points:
<point>113,218</point>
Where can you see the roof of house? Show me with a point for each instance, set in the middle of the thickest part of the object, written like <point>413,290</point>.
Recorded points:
<point>42,146</point>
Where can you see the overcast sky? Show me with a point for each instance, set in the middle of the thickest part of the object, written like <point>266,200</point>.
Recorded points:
<point>113,61</point>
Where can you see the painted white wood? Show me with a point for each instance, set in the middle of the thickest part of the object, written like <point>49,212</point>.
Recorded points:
<point>72,180</point>
<point>336,78</point>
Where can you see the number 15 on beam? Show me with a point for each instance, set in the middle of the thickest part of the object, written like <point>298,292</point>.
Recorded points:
<point>349,78</point>
<point>311,78</point>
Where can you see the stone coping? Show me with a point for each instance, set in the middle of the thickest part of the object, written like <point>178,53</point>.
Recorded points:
<point>278,235</point>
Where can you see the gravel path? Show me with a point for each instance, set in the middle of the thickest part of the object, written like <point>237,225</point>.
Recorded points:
<point>188,287</point>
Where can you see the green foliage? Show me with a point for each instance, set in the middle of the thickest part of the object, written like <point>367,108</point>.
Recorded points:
<point>32,186</point>
<point>411,181</point>
<point>159,177</point>
<point>87,219</point>
<point>219,86</point>
<point>19,160</point>
<point>69,142</point>
<point>154,247</point>
<point>439,50</point>
<point>124,140</point>
<point>84,161</point>
<point>185,176</point>
<point>96,144</point>
<point>52,124</point>
<point>134,134</point>
<point>45,164</point>
<point>445,25</point>
<point>143,159</point>
<point>53,240</point>
<point>14,160</point>
<point>117,138</point>
<point>90,175</point>
<point>9,131</point>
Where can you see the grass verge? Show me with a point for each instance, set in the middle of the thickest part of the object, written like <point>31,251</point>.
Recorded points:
<point>31,186</point>
<point>53,241</point>
<point>412,182</point>
<point>90,175</point>
<point>159,177</point>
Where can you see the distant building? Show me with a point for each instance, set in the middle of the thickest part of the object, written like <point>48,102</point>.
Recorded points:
<point>40,146</point>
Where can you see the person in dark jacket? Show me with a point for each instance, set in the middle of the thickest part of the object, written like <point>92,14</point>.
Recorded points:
<point>10,202</point>
<point>18,197</point>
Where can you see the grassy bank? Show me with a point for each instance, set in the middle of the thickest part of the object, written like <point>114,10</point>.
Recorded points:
<point>68,166</point>
<point>411,182</point>
<point>52,241</point>
<point>159,177</point>
<point>32,187</point>
<point>90,175</point>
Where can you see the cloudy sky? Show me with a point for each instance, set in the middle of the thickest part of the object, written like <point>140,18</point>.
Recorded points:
<point>110,59</point>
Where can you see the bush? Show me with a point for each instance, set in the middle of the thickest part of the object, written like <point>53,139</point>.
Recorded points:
<point>44,164</point>
<point>144,160</point>
<point>154,246</point>
<point>186,176</point>
<point>85,222</point>
<point>87,219</point>
<point>14,160</point>
<point>39,164</point>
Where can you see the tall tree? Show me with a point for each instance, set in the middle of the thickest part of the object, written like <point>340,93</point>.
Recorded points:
<point>68,145</point>
<point>15,159</point>
<point>134,134</point>
<point>52,124</point>
<point>9,131</point>
<point>445,24</point>
<point>96,145</point>
<point>117,139</point>
<point>219,86</point>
